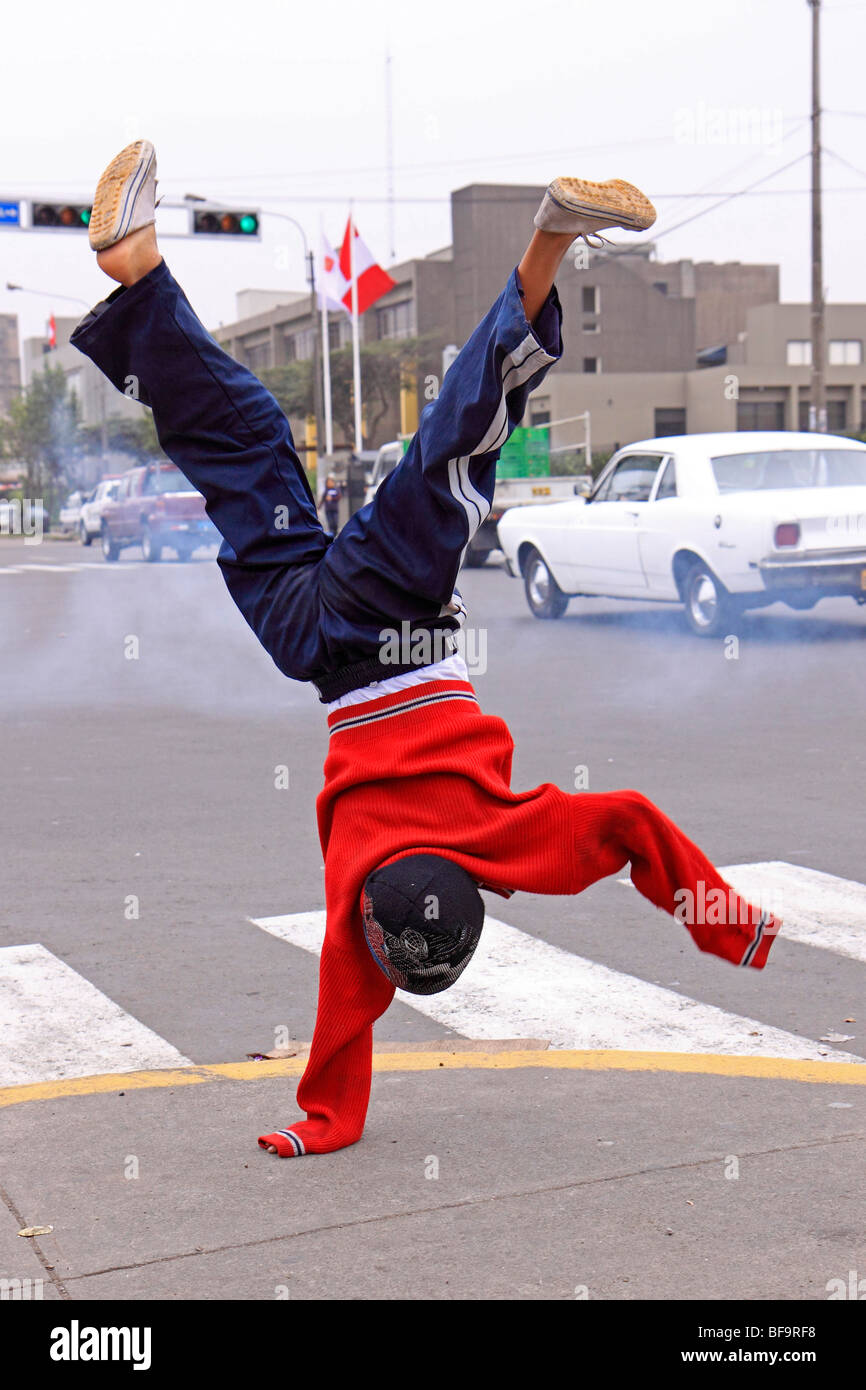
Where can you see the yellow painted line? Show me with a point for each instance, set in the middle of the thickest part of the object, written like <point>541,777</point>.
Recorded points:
<point>93,1085</point>
<point>699,1064</point>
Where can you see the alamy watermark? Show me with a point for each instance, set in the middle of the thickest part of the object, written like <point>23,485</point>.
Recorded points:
<point>853,524</point>
<point>718,907</point>
<point>404,647</point>
<point>20,1290</point>
<point>729,125</point>
<point>851,1288</point>
<point>23,517</point>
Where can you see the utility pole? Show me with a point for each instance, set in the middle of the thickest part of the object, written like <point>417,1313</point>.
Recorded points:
<point>389,154</point>
<point>818,407</point>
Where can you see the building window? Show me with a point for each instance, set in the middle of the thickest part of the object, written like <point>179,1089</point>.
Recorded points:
<point>661,286</point>
<point>590,299</point>
<point>592,364</point>
<point>760,415</point>
<point>258,356</point>
<point>591,326</point>
<point>395,320</point>
<point>670,420</point>
<point>339,332</point>
<point>799,352</point>
<point>539,412</point>
<point>836,416</point>
<point>301,345</point>
<point>846,352</point>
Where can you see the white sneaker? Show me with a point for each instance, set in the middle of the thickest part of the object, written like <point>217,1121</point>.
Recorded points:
<point>124,201</point>
<point>583,208</point>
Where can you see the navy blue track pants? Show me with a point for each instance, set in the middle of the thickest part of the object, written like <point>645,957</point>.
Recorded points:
<point>319,604</point>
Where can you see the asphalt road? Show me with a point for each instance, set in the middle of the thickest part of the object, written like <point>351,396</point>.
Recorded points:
<point>143,726</point>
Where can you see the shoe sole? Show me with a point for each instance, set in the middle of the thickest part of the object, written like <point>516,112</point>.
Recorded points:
<point>613,199</point>
<point>117,194</point>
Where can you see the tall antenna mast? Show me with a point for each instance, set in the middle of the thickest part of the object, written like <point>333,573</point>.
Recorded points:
<point>389,154</point>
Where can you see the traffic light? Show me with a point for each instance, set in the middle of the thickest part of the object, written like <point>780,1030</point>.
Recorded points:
<point>225,222</point>
<point>60,215</point>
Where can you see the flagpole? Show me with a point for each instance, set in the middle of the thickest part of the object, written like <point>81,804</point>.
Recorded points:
<point>356,340</point>
<point>326,379</point>
<point>326,359</point>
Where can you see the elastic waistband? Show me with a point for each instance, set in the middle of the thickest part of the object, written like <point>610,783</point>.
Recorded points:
<point>421,696</point>
<point>360,673</point>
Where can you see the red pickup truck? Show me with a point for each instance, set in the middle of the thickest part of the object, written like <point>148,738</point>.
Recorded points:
<point>155,506</point>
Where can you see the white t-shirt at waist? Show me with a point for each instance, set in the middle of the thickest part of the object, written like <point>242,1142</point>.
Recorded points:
<point>453,668</point>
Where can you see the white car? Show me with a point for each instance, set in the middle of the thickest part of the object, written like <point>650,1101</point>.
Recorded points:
<point>90,522</point>
<point>70,512</point>
<point>717,522</point>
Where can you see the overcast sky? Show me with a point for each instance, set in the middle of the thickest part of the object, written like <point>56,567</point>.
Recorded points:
<point>282,106</point>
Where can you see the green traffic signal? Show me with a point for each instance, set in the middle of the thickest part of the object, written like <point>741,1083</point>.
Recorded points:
<point>224,222</point>
<point>60,215</point>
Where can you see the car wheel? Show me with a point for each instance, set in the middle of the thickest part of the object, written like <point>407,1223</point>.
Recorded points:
<point>543,594</point>
<point>184,553</point>
<point>150,547</point>
<point>109,549</point>
<point>84,534</point>
<point>474,559</point>
<point>708,606</point>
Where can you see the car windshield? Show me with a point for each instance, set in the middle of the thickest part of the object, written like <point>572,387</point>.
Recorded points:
<point>772,469</point>
<point>167,480</point>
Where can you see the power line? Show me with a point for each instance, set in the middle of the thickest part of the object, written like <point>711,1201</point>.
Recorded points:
<point>727,198</point>
<point>846,162</point>
<point>445,200</point>
<point>423,167</point>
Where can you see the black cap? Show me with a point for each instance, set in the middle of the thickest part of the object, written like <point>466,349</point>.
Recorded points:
<point>423,916</point>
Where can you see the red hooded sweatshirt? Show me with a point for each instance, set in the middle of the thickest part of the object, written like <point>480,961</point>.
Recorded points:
<point>425,770</point>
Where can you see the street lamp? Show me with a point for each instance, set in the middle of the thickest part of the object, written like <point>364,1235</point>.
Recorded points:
<point>49,294</point>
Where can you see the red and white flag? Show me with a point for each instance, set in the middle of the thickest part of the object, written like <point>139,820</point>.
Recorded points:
<point>372,280</point>
<point>52,332</point>
<point>332,283</point>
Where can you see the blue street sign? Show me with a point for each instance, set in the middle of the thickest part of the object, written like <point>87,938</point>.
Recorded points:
<point>10,214</point>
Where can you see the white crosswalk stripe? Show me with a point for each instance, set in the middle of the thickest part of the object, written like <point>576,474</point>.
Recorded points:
<point>84,568</point>
<point>518,986</point>
<point>816,909</point>
<point>51,569</point>
<point>55,1024</point>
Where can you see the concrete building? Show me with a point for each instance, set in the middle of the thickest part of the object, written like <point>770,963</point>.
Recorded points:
<point>628,316</point>
<point>761,382</point>
<point>624,310</point>
<point>10,363</point>
<point>421,305</point>
<point>650,346</point>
